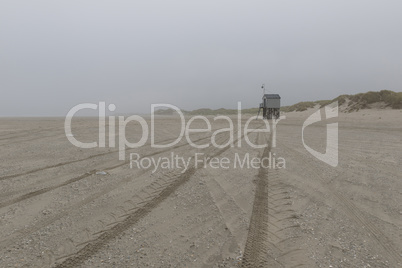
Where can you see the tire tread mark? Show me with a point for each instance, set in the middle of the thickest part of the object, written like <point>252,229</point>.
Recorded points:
<point>108,234</point>
<point>357,215</point>
<point>62,164</point>
<point>255,251</point>
<point>85,175</point>
<point>23,232</point>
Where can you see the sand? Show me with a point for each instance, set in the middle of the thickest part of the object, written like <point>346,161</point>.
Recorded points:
<point>62,206</point>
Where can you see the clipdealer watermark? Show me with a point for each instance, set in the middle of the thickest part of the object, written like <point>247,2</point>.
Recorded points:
<point>148,132</point>
<point>200,160</point>
<point>236,132</point>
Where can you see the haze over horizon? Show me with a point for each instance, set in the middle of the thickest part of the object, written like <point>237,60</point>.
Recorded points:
<point>210,54</point>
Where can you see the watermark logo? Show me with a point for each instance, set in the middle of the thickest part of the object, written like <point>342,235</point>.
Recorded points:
<point>149,132</point>
<point>237,133</point>
<point>331,153</point>
<point>176,161</point>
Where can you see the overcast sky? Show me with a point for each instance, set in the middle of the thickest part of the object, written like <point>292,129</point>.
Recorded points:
<point>193,54</point>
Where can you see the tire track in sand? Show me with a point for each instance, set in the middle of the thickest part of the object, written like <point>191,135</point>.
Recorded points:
<point>68,162</point>
<point>106,189</point>
<point>152,199</point>
<point>255,251</point>
<point>78,160</point>
<point>355,214</point>
<point>85,175</point>
<point>271,241</point>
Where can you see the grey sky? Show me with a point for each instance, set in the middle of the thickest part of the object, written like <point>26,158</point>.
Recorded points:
<point>193,54</point>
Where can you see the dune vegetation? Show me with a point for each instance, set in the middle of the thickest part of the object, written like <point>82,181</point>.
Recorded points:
<point>350,103</point>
